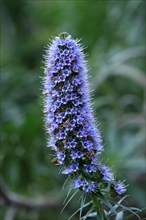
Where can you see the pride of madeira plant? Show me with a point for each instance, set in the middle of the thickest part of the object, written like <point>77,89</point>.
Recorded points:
<point>73,136</point>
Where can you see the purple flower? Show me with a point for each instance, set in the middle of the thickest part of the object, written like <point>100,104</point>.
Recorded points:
<point>59,118</point>
<point>52,143</point>
<point>70,143</point>
<point>66,72</point>
<point>88,186</point>
<point>71,125</point>
<point>87,144</point>
<point>72,168</point>
<point>52,127</point>
<point>90,168</point>
<point>61,134</point>
<point>68,116</point>
<point>54,93</point>
<point>77,183</point>
<point>80,120</point>
<point>60,157</point>
<point>76,154</point>
<point>120,188</point>
<point>64,100</point>
<point>76,67</point>
<point>92,187</point>
<point>85,185</point>
<point>76,81</point>
<point>81,133</point>
<point>105,171</point>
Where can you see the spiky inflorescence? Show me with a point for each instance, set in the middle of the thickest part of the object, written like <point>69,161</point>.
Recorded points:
<point>68,117</point>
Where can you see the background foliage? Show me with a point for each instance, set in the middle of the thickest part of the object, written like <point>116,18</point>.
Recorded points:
<point>113,32</point>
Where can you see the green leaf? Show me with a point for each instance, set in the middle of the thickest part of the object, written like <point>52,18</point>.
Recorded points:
<point>69,200</point>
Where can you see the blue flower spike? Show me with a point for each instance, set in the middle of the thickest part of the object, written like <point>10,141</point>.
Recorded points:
<point>73,136</point>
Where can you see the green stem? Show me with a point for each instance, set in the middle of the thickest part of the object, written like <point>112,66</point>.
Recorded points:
<point>100,211</point>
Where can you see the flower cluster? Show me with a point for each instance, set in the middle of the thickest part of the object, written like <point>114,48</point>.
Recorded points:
<point>68,117</point>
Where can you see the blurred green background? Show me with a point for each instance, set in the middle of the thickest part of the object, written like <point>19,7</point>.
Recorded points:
<point>113,33</point>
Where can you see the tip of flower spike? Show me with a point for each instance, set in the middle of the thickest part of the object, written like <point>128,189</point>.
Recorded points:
<point>63,35</point>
